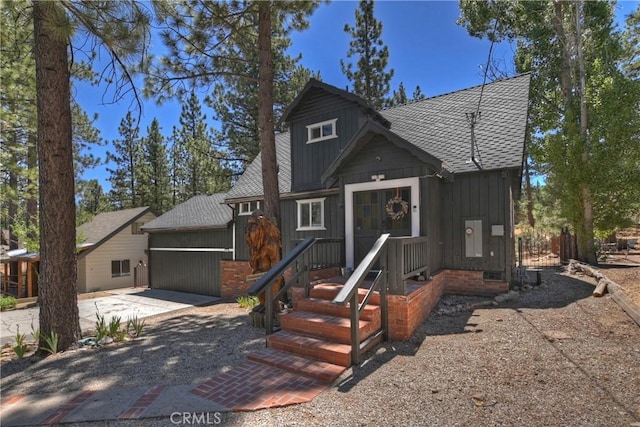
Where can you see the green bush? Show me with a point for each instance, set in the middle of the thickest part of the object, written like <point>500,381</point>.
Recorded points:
<point>247,301</point>
<point>6,302</point>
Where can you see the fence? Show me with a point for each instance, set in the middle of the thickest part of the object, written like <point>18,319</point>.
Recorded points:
<point>536,249</point>
<point>141,275</point>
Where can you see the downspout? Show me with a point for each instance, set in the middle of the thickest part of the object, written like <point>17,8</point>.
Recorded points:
<point>233,232</point>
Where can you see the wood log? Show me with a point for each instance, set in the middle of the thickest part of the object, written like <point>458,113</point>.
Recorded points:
<point>601,288</point>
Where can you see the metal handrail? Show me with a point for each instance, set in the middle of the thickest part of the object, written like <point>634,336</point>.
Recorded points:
<point>349,293</point>
<point>265,283</point>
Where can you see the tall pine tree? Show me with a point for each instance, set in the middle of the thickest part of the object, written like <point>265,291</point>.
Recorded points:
<point>204,173</point>
<point>368,74</point>
<point>127,158</point>
<point>155,179</point>
<point>205,40</point>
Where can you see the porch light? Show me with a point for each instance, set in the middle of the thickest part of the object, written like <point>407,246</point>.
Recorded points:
<point>378,177</point>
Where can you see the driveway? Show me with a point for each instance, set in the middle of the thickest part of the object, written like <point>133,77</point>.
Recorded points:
<point>126,303</point>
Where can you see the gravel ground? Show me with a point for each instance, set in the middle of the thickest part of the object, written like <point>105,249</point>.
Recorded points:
<point>625,271</point>
<point>550,355</point>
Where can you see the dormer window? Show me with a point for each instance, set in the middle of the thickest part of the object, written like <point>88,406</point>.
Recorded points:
<point>321,131</point>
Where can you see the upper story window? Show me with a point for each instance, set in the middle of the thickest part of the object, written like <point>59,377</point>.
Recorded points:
<point>246,208</point>
<point>135,228</point>
<point>310,214</point>
<point>321,131</point>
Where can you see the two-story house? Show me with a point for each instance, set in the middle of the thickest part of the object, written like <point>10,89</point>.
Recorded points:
<point>446,169</point>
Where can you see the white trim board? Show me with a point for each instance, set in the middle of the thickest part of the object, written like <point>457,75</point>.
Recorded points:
<point>349,189</point>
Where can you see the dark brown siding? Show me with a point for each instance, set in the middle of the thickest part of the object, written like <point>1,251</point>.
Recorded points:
<point>476,196</point>
<point>381,157</point>
<point>309,161</point>
<point>188,271</point>
<point>430,220</point>
<point>333,221</point>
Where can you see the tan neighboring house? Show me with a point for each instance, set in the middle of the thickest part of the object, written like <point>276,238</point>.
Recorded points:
<point>112,245</point>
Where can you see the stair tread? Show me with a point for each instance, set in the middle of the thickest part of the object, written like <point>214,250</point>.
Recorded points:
<point>325,318</point>
<point>309,341</point>
<point>330,290</point>
<point>323,371</point>
<point>320,305</point>
<point>313,347</point>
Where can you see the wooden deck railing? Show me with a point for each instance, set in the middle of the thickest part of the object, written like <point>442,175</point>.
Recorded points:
<point>407,258</point>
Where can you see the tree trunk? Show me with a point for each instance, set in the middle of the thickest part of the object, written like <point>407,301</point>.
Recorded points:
<point>58,263</point>
<point>587,250</point>
<point>265,115</point>
<point>32,189</point>
<point>529,192</point>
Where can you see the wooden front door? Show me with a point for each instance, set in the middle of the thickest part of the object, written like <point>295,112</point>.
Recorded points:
<point>376,212</point>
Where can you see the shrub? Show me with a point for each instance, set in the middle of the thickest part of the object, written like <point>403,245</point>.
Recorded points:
<point>247,301</point>
<point>51,342</point>
<point>6,302</point>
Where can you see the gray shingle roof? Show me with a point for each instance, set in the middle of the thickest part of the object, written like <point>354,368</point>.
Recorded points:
<point>103,225</point>
<point>250,183</point>
<point>438,126</point>
<point>197,213</point>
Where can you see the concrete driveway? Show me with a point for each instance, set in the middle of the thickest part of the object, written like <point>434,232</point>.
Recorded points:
<point>126,303</point>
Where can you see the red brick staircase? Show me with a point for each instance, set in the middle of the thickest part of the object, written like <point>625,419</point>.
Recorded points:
<point>315,338</point>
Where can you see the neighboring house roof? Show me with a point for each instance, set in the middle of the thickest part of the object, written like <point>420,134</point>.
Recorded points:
<point>317,84</point>
<point>197,213</point>
<point>436,126</point>
<point>249,184</point>
<point>107,224</point>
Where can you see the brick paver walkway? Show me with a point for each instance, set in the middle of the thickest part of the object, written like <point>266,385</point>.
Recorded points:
<point>252,386</point>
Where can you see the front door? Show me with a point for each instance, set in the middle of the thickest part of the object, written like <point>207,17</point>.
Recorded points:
<point>379,211</point>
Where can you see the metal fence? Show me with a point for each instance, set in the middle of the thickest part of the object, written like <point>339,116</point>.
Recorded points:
<point>537,249</point>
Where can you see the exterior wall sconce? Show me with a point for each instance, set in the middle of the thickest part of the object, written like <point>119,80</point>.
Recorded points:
<point>378,177</point>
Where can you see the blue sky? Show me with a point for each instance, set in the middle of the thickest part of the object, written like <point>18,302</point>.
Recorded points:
<point>426,48</point>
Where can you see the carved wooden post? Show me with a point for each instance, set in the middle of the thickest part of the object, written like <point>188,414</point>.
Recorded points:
<point>263,239</point>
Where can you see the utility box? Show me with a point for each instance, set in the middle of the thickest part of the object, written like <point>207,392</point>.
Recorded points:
<point>473,238</point>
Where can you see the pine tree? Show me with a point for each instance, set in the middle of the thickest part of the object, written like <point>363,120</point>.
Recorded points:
<point>204,174</point>
<point>368,76</point>
<point>127,159</point>
<point>417,94</point>
<point>155,180</point>
<point>177,169</point>
<point>219,30</point>
<point>583,108</point>
<point>399,97</point>
<point>122,27</point>
<point>92,201</point>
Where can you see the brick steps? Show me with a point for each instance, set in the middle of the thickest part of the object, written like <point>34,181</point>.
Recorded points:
<point>329,291</point>
<point>315,339</point>
<point>326,326</point>
<point>317,348</point>
<point>312,368</point>
<point>323,306</point>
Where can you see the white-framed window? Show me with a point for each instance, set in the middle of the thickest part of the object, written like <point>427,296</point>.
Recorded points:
<point>120,268</point>
<point>246,208</point>
<point>136,227</point>
<point>321,131</point>
<point>310,214</point>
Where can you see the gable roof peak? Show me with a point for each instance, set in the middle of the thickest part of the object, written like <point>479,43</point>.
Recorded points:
<point>314,83</point>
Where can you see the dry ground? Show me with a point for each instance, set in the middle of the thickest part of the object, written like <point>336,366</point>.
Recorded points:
<point>554,355</point>
<point>625,271</point>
